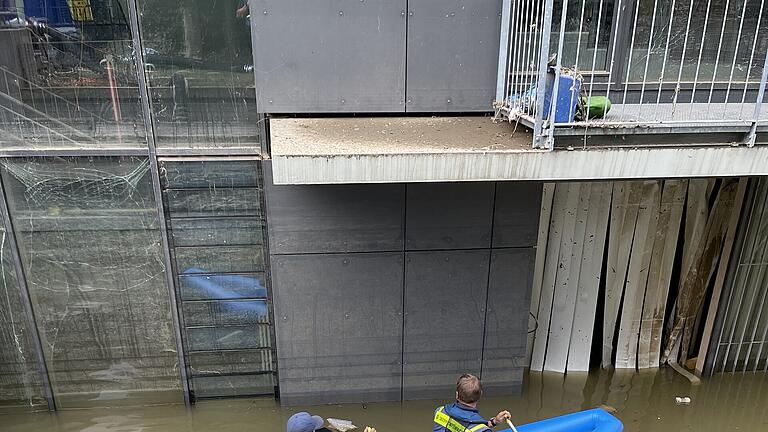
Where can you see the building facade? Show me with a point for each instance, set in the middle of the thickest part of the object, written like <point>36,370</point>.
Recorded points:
<point>355,201</point>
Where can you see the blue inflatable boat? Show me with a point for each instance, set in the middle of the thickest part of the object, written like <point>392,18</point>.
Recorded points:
<point>594,420</point>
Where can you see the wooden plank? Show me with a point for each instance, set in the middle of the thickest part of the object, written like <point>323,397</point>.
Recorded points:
<point>564,300</point>
<point>691,295</point>
<point>637,276</point>
<point>660,275</point>
<point>589,278</point>
<point>626,197</point>
<point>548,281</point>
<point>545,218</point>
<point>725,259</point>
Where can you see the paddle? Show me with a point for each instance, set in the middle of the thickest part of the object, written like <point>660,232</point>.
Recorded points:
<point>511,426</point>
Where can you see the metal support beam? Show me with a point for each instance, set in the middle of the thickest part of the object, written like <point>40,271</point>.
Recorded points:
<point>502,74</point>
<point>541,86</point>
<point>26,300</point>
<point>138,50</point>
<point>752,135</point>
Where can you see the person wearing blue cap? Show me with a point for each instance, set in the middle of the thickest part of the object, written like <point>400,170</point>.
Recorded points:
<point>305,422</point>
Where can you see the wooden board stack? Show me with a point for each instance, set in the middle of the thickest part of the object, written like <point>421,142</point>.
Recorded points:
<point>627,233</point>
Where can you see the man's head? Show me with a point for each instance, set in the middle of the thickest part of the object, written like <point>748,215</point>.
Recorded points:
<point>304,422</point>
<point>468,389</point>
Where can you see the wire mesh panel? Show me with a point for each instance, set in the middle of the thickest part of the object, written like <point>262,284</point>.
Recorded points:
<point>690,65</point>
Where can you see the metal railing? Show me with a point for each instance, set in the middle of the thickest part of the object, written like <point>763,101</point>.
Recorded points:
<point>636,66</point>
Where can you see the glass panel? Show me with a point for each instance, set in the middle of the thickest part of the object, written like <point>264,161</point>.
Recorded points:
<point>89,243</point>
<point>231,362</point>
<point>220,259</point>
<point>228,338</point>
<point>222,287</point>
<point>213,202</point>
<point>68,76</point>
<point>209,173</point>
<point>226,312</point>
<point>200,72</point>
<point>229,386</point>
<point>20,385</point>
<point>217,232</point>
<point>709,20</point>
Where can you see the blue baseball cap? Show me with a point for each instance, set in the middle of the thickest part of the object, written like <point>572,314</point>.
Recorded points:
<point>304,422</point>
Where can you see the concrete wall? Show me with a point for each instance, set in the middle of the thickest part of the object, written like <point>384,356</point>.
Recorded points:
<point>388,292</point>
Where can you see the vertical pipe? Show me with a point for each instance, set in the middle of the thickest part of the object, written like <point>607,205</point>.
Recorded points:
<point>558,68</point>
<point>26,300</point>
<point>594,53</point>
<point>666,55</point>
<point>541,86</point>
<point>701,53</point>
<point>501,75</point>
<point>578,46</point>
<point>513,69</point>
<point>512,41</point>
<point>529,46</point>
<point>751,59</point>
<point>758,104</point>
<point>522,66</point>
<point>530,69</point>
<point>735,56</point>
<point>629,63</point>
<point>616,31</point>
<point>647,58</point>
<point>138,49</point>
<point>717,57</point>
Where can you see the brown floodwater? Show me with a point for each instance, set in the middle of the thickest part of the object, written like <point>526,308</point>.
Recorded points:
<point>643,401</point>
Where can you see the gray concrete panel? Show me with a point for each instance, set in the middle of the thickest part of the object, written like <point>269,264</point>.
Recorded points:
<point>329,55</point>
<point>516,223</point>
<point>339,327</point>
<point>449,215</point>
<point>453,49</point>
<point>509,299</point>
<point>334,218</point>
<point>444,305</point>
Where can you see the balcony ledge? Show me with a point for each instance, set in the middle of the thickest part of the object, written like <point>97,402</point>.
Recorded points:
<point>449,149</point>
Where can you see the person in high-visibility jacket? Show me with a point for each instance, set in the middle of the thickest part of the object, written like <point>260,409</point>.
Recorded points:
<point>462,415</point>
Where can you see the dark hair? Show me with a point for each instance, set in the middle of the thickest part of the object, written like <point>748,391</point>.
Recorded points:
<point>468,388</point>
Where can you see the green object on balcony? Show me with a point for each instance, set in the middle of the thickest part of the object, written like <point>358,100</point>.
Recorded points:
<point>596,106</point>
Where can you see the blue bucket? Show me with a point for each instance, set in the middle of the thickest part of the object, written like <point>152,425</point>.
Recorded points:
<point>568,89</point>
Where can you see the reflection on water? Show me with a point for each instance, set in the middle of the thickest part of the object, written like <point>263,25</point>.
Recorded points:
<point>644,402</point>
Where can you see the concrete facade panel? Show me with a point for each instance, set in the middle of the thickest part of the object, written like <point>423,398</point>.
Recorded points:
<point>516,223</point>
<point>329,55</point>
<point>506,323</point>
<point>449,215</point>
<point>453,50</point>
<point>339,327</point>
<point>351,218</point>
<point>445,297</point>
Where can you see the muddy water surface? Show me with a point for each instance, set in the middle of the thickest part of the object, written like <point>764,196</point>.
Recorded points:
<point>644,402</point>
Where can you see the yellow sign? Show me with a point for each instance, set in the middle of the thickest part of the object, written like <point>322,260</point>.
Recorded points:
<point>80,10</point>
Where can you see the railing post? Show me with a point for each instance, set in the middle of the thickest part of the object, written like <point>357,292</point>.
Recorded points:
<point>550,139</point>
<point>539,138</point>
<point>752,135</point>
<point>502,74</point>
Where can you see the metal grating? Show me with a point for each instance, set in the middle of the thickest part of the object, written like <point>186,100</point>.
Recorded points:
<point>743,336</point>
